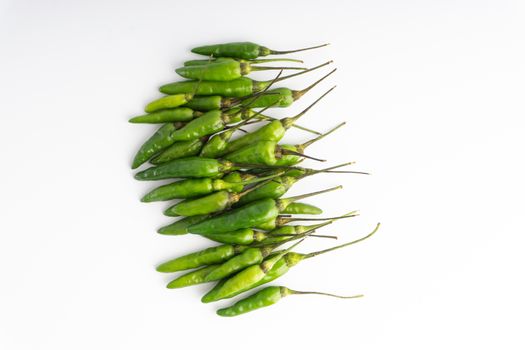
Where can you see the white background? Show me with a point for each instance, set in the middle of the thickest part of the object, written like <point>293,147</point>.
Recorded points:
<point>433,95</point>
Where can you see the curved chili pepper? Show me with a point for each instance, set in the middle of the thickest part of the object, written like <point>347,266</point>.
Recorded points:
<point>234,88</point>
<point>180,114</point>
<point>180,227</point>
<point>251,215</point>
<point>302,208</point>
<point>192,278</point>
<point>280,268</point>
<point>226,59</point>
<point>171,101</point>
<point>244,50</point>
<point>186,167</point>
<point>267,297</point>
<point>180,149</point>
<point>160,140</point>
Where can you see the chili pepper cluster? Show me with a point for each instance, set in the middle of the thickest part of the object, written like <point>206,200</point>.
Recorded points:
<point>230,185</point>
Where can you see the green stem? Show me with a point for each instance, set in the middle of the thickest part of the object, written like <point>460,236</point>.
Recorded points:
<point>298,94</point>
<point>294,153</point>
<point>275,52</point>
<point>264,60</point>
<point>263,68</point>
<point>311,194</point>
<point>284,219</point>
<point>290,291</point>
<point>287,122</point>
<point>303,72</point>
<point>311,255</point>
<point>302,146</point>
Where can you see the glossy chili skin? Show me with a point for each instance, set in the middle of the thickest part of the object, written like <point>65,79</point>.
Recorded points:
<point>249,257</point>
<point>302,208</point>
<point>216,71</point>
<point>178,150</point>
<point>209,103</point>
<point>180,227</point>
<point>263,298</point>
<point>280,97</point>
<point>207,256</point>
<point>172,101</point>
<point>243,236</point>
<point>207,124</point>
<point>191,188</point>
<point>159,141</point>
<point>273,189</point>
<point>186,167</point>
<point>288,159</point>
<point>211,203</point>
<point>273,131</point>
<point>261,152</point>
<point>180,114</point>
<point>192,278</point>
<point>280,268</point>
<point>240,87</point>
<point>246,216</point>
<point>244,50</point>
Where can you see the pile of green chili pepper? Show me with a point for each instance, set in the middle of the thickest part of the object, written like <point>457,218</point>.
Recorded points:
<point>229,183</point>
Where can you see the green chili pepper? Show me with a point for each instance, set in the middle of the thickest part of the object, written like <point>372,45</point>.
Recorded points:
<point>244,50</point>
<point>234,88</point>
<point>172,101</point>
<point>215,202</point>
<point>291,154</point>
<point>273,131</point>
<point>156,143</point>
<point>243,236</point>
<point>280,268</point>
<point>192,278</point>
<point>250,275</point>
<point>180,149</point>
<point>266,297</point>
<point>186,167</point>
<point>207,256</point>
<point>279,186</point>
<point>180,114</point>
<point>191,188</point>
<point>227,59</point>
<point>250,215</point>
<point>279,221</point>
<point>180,227</point>
<point>302,208</point>
<point>223,70</point>
<point>281,97</point>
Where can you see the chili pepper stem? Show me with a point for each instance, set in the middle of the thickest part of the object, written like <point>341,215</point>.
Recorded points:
<point>317,171</point>
<point>265,117</point>
<point>264,60</point>
<point>302,146</point>
<point>275,52</point>
<point>311,255</point>
<point>297,94</point>
<point>307,195</point>
<point>285,219</point>
<point>300,73</point>
<point>287,122</point>
<point>263,68</point>
<point>290,152</point>
<point>292,292</point>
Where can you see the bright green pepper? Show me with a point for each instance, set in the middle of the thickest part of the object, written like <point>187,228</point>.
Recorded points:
<point>302,208</point>
<point>243,236</point>
<point>180,227</point>
<point>192,278</point>
<point>172,101</point>
<point>244,50</point>
<point>225,70</point>
<point>250,215</point>
<point>240,87</point>
<point>180,149</point>
<point>207,256</point>
<point>186,167</point>
<point>280,268</point>
<point>180,114</point>
<point>156,143</point>
<point>227,59</point>
<point>267,297</point>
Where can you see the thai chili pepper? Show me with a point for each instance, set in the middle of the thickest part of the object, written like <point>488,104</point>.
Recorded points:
<point>186,167</point>
<point>212,203</point>
<point>192,278</point>
<point>180,227</point>
<point>302,208</point>
<point>284,96</point>
<point>279,186</point>
<point>180,114</point>
<point>234,88</point>
<point>172,101</point>
<point>156,143</point>
<point>267,153</point>
<point>280,268</point>
<point>250,275</point>
<point>224,70</point>
<point>248,236</point>
<point>244,50</point>
<point>287,156</point>
<point>207,256</point>
<point>191,188</point>
<point>250,215</point>
<point>226,59</point>
<point>273,131</point>
<point>180,149</point>
<point>266,297</point>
